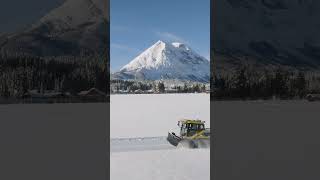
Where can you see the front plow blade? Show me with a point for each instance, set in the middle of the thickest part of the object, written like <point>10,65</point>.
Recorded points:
<point>173,139</point>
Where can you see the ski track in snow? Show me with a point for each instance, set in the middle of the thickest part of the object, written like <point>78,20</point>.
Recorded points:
<point>139,144</point>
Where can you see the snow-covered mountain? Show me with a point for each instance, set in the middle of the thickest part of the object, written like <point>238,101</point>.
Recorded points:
<point>279,32</point>
<point>74,13</point>
<point>75,27</point>
<point>166,61</point>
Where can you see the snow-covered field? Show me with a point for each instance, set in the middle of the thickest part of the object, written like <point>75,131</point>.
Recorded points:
<point>149,115</point>
<point>139,150</point>
<point>178,164</point>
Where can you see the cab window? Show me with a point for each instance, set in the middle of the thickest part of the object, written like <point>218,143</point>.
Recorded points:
<point>200,126</point>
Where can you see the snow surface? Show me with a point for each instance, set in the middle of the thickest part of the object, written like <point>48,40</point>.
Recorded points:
<point>150,117</point>
<point>177,164</point>
<point>167,61</point>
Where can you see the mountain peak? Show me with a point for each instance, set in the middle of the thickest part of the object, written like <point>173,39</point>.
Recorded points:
<point>73,13</point>
<point>160,42</point>
<point>74,27</point>
<point>174,44</point>
<point>167,61</point>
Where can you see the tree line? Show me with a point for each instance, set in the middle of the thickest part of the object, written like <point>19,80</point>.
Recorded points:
<point>21,73</point>
<point>130,86</point>
<point>246,82</point>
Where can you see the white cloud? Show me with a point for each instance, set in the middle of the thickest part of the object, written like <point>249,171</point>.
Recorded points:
<point>170,37</point>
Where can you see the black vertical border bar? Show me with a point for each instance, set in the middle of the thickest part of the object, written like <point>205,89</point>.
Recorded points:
<point>107,121</point>
<point>212,72</point>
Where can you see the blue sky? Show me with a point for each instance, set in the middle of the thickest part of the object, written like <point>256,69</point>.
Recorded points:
<point>137,24</point>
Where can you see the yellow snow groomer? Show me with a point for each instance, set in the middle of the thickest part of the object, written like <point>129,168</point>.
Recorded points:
<point>193,134</point>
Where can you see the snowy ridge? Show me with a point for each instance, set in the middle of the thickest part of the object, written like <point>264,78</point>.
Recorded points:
<point>74,27</point>
<point>73,13</point>
<point>278,32</point>
<point>167,61</point>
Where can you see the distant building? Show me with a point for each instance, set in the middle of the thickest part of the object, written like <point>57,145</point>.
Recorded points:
<point>45,94</point>
<point>32,93</point>
<point>138,91</point>
<point>93,94</point>
<point>313,97</point>
<point>151,91</point>
<point>122,91</point>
